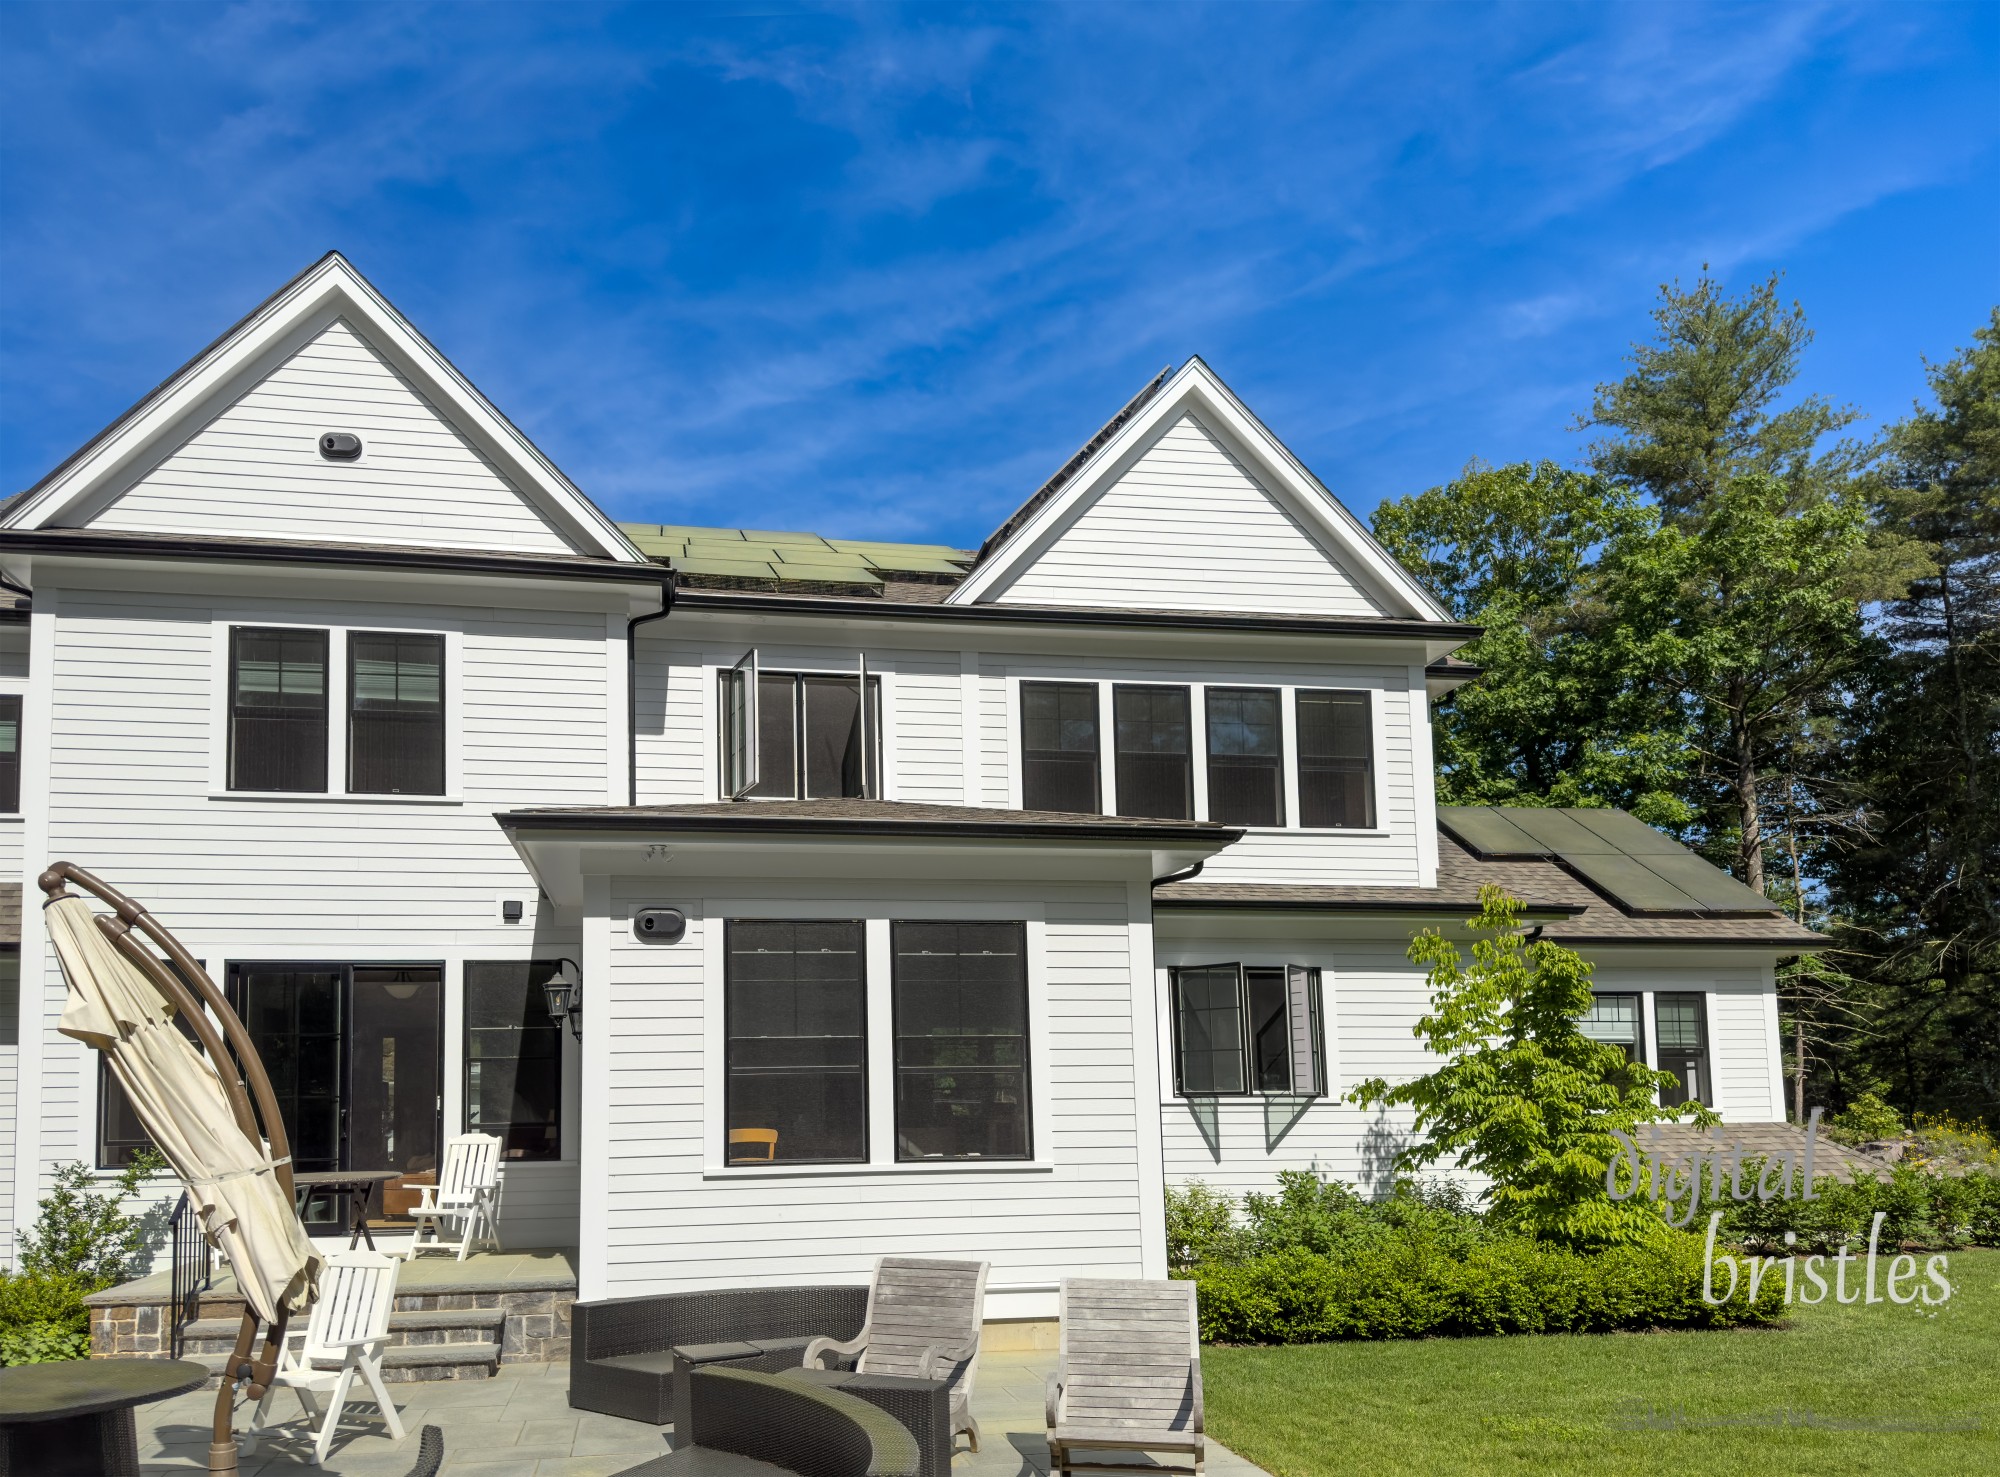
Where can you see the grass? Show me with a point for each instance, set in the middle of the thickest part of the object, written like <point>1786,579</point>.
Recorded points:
<point>1568,1403</point>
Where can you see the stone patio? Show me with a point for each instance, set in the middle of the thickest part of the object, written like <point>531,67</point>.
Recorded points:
<point>519,1424</point>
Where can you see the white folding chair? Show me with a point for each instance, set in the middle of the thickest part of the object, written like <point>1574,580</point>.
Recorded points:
<point>465,1198</point>
<point>350,1324</point>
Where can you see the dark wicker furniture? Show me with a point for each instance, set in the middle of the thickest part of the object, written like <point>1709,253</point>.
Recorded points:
<point>748,1424</point>
<point>75,1415</point>
<point>921,1407</point>
<point>631,1357</point>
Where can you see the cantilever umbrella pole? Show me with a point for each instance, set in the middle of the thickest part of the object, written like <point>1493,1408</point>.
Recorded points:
<point>188,992</point>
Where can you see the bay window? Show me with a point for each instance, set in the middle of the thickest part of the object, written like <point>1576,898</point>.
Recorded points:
<point>1247,1029</point>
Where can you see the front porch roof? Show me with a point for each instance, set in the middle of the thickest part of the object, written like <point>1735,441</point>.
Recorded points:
<point>560,844</point>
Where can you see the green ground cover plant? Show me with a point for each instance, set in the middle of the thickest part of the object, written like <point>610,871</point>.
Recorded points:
<point>1880,1390</point>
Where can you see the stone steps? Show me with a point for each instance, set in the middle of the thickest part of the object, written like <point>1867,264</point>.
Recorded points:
<point>404,1365</point>
<point>218,1334</point>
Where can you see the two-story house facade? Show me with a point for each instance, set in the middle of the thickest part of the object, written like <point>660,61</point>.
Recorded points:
<point>917,899</point>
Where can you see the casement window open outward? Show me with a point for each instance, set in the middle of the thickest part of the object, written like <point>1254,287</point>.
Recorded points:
<point>800,735</point>
<point>1242,1030</point>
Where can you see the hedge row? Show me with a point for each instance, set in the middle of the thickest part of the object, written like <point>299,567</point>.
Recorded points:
<point>1926,1208</point>
<point>1413,1287</point>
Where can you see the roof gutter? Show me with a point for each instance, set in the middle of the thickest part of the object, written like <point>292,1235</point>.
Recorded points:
<point>667,587</point>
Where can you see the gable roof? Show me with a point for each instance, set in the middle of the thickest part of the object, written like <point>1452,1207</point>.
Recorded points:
<point>1196,390</point>
<point>326,292</point>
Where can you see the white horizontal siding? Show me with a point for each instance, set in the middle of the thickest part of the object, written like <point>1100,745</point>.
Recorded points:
<point>1744,1050</point>
<point>538,1205</point>
<point>255,470</point>
<point>927,727</point>
<point>666,1226</point>
<point>1188,527</point>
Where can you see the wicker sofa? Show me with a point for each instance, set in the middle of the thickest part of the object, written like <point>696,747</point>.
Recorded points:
<point>747,1424</point>
<point>631,1357</point>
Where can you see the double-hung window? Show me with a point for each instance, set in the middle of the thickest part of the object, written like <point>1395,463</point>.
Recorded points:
<point>395,713</point>
<point>1248,1029</point>
<point>800,735</point>
<point>10,753</point>
<point>961,1025</point>
<point>795,1027</point>
<point>1336,760</point>
<point>1681,1020</point>
<point>1060,767</point>
<point>1246,756</point>
<point>277,709</point>
<point>1614,1020</point>
<point>281,700</point>
<point>1154,750</point>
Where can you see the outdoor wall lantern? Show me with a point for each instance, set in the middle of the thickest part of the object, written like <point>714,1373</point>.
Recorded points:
<point>564,992</point>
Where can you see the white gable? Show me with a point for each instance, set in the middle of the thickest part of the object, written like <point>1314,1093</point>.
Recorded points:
<point>229,446</point>
<point>1190,503</point>
<point>1188,527</point>
<point>255,471</point>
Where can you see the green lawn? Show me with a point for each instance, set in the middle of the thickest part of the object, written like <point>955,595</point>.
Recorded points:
<point>1564,1403</point>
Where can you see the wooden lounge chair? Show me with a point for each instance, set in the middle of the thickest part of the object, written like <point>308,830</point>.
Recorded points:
<point>1128,1378</point>
<point>466,1197</point>
<point>349,1324</point>
<point>923,1323</point>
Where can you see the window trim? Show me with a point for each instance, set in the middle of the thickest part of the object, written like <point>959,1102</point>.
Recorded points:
<point>348,715</point>
<point>1020,738</point>
<point>705,943</point>
<point>1197,776</point>
<point>336,793</point>
<point>1287,763</point>
<point>1375,760</point>
<point>877,722</point>
<point>1027,1048</point>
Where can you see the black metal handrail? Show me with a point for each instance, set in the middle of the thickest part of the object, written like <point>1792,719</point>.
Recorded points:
<point>193,1272</point>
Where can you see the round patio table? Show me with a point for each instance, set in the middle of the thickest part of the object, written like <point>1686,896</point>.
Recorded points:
<point>74,1418</point>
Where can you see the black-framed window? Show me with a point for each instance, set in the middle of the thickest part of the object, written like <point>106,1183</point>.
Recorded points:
<point>1680,1022</point>
<point>10,753</point>
<point>1153,752</point>
<point>961,1029</point>
<point>811,740</point>
<point>277,709</point>
<point>1060,764</point>
<point>1336,760</point>
<point>10,996</point>
<point>1241,1029</point>
<point>1614,1020</point>
<point>513,1057</point>
<point>795,1054</point>
<point>395,713</point>
<point>1246,756</point>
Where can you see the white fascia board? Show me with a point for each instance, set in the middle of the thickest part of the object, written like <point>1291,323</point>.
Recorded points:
<point>330,290</point>
<point>1195,388</point>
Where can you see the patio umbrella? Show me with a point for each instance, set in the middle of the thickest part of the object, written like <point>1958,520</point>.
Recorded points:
<point>230,1177</point>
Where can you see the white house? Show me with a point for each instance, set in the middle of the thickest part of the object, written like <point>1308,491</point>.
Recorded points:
<point>983,893</point>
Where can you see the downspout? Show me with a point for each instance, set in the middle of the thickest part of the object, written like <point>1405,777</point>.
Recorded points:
<point>1187,874</point>
<point>632,683</point>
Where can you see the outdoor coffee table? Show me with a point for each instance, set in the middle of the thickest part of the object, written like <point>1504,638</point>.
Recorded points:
<point>357,1185</point>
<point>922,1407</point>
<point>74,1418</point>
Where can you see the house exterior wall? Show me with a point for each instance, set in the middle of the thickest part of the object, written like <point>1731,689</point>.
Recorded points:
<point>255,469</point>
<point>1189,527</point>
<point>667,1214</point>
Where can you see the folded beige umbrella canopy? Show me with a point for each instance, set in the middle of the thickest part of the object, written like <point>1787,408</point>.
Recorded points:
<point>245,1212</point>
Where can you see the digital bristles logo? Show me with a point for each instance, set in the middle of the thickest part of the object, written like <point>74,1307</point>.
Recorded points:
<point>1677,1181</point>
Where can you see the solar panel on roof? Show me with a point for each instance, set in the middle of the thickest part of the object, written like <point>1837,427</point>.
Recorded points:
<point>1560,831</point>
<point>1630,882</point>
<point>1713,888</point>
<point>757,569</point>
<point>1627,833</point>
<point>1488,830</point>
<point>825,572</point>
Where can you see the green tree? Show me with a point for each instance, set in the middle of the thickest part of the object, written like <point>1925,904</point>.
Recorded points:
<point>1523,1096</point>
<point>1513,549</point>
<point>1915,886</point>
<point>1700,407</point>
<point>82,1232</point>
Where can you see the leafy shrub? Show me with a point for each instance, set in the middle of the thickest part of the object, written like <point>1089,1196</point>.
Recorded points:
<point>42,1317</point>
<point>83,1231</point>
<point>1201,1225</point>
<point>1925,1207</point>
<point>1408,1285</point>
<point>1867,1117</point>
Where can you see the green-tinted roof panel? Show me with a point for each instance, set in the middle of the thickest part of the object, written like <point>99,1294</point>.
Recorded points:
<point>756,569</point>
<point>1627,833</point>
<point>1559,831</point>
<point>1629,881</point>
<point>1713,888</point>
<point>1489,830</point>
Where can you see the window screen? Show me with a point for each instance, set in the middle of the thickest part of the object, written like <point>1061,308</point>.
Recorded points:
<point>1059,754</point>
<point>513,1057</point>
<point>1155,771</point>
<point>1241,1029</point>
<point>795,1022</point>
<point>395,728</point>
<point>777,736</point>
<point>1681,1020</point>
<point>810,737</point>
<point>1614,1020</point>
<point>961,1013</point>
<point>1336,760</point>
<point>277,709</point>
<point>1246,757</point>
<point>10,752</point>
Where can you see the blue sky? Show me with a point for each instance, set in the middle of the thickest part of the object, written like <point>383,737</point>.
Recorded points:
<point>878,271</point>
